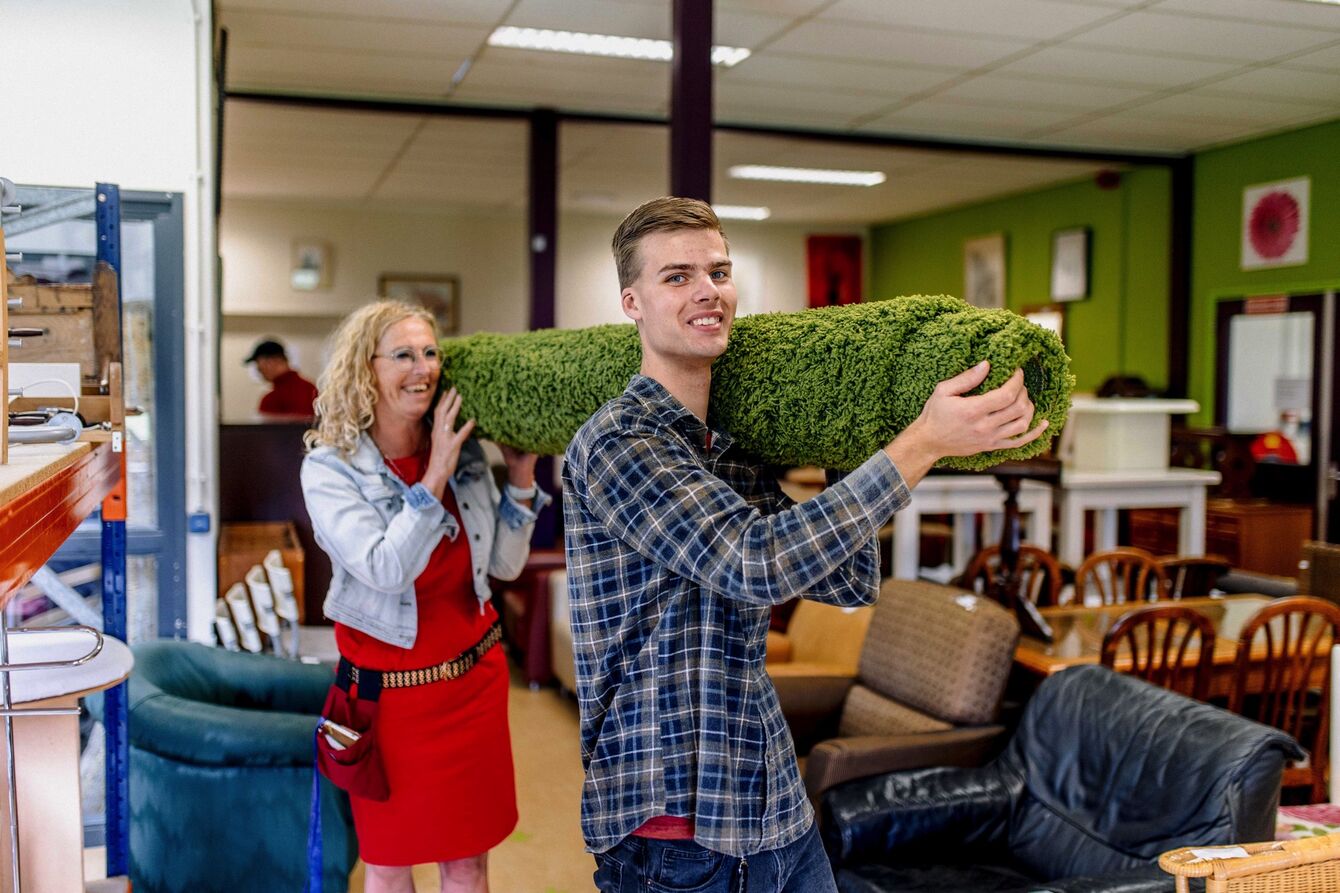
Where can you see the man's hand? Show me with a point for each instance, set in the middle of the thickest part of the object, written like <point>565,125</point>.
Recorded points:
<point>951,424</point>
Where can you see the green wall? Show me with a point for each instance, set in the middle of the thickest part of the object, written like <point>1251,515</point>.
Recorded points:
<point>1121,327</point>
<point>1221,175</point>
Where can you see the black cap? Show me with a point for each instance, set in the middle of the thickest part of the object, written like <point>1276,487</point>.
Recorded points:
<point>265,349</point>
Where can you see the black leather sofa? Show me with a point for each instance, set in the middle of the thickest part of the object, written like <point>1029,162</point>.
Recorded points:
<point>1103,774</point>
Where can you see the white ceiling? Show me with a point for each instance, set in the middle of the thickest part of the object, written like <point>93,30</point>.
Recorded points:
<point>1124,75</point>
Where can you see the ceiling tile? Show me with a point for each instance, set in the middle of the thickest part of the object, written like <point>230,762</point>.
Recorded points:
<point>626,19</point>
<point>1114,67</point>
<point>782,70</point>
<point>296,30</point>
<point>856,42</point>
<point>1321,16</point>
<point>791,8</point>
<point>1152,32</point>
<point>1136,132</point>
<point>1028,19</point>
<point>966,120</point>
<point>1327,59</point>
<point>747,29</point>
<point>564,80</point>
<point>478,11</point>
<point>1320,87</point>
<point>1201,105</point>
<point>764,99</point>
<point>338,71</point>
<point>1040,92</point>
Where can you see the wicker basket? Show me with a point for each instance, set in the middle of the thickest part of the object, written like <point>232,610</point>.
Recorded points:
<point>1310,865</point>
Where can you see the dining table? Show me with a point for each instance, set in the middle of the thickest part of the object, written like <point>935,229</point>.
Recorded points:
<point>1078,632</point>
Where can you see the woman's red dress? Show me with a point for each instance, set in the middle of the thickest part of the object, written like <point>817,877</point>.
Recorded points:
<point>446,745</point>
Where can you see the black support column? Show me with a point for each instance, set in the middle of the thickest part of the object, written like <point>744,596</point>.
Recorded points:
<point>543,245</point>
<point>543,207</point>
<point>1179,277</point>
<point>691,101</point>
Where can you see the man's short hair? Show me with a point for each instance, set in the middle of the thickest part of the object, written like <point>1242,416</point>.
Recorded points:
<point>659,215</point>
<point>266,348</point>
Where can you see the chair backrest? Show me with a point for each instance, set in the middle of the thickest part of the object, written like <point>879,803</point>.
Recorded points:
<point>1169,646</point>
<point>1116,771</point>
<point>1282,651</point>
<point>1039,573</point>
<point>940,651</point>
<point>1191,577</point>
<point>1119,576</point>
<point>827,634</point>
<point>1319,571</point>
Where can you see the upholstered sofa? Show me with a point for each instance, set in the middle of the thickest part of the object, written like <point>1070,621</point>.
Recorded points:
<point>1103,774</point>
<point>221,773</point>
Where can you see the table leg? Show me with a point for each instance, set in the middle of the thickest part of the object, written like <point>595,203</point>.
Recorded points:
<point>965,540</point>
<point>1104,529</point>
<point>907,542</point>
<point>1191,532</point>
<point>1070,549</point>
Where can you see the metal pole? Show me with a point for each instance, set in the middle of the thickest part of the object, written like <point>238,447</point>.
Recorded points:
<point>11,776</point>
<point>691,101</point>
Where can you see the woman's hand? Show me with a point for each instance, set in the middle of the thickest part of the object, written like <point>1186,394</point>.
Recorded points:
<point>520,466</point>
<point>446,443</point>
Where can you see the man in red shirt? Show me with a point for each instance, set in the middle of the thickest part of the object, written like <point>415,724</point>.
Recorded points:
<point>292,395</point>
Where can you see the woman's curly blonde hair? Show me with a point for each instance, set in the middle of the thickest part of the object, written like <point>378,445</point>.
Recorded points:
<point>348,389</point>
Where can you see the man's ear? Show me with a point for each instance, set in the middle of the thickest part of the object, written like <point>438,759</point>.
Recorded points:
<point>631,308</point>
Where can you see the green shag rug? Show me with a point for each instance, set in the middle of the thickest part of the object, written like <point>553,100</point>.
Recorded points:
<point>822,387</point>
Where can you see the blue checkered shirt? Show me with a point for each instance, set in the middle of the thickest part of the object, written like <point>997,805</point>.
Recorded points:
<point>676,550</point>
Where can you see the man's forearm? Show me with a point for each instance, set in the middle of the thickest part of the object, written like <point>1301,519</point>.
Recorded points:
<point>912,453</point>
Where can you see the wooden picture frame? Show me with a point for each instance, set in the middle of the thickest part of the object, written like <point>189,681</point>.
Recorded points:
<point>1070,264</point>
<point>439,294</point>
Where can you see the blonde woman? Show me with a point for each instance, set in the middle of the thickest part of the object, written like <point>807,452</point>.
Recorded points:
<point>403,501</point>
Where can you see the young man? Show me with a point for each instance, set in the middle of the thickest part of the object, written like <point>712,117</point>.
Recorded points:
<point>290,394</point>
<point>677,548</point>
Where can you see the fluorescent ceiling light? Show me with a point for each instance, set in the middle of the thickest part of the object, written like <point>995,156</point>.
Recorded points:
<point>741,212</point>
<point>602,45</point>
<point>807,175</point>
<point>1325,1</point>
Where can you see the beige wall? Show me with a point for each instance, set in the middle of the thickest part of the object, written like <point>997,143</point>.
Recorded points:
<point>486,250</point>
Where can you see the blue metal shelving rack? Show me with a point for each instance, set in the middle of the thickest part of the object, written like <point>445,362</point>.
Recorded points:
<point>107,215</point>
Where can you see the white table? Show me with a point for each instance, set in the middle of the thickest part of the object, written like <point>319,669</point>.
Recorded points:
<point>964,496</point>
<point>46,755</point>
<point>1104,492</point>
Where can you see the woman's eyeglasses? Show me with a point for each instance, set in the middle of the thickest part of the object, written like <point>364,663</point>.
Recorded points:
<point>404,357</point>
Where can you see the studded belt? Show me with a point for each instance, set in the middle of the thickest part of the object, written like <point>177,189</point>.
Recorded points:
<point>455,668</point>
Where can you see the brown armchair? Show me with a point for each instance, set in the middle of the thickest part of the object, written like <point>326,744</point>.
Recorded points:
<point>820,640</point>
<point>928,689</point>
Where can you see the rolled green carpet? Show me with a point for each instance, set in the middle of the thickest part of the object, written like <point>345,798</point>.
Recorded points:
<point>822,387</point>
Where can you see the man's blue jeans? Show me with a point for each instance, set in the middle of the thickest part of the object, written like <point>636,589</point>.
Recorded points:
<point>637,864</point>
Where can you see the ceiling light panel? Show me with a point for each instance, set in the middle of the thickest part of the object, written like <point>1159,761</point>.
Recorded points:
<point>742,212</point>
<point>807,175</point>
<point>602,45</point>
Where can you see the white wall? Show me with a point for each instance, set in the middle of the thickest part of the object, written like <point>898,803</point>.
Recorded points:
<point>487,252</point>
<point>119,92</point>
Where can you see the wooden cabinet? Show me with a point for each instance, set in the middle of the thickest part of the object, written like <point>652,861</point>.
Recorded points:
<point>1252,534</point>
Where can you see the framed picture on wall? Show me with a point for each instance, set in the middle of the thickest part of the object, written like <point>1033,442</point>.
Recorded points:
<point>310,265</point>
<point>984,271</point>
<point>1275,223</point>
<point>440,295</point>
<point>1050,316</point>
<point>1070,264</point>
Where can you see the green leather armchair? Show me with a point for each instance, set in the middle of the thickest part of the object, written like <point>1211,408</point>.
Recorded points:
<point>221,773</point>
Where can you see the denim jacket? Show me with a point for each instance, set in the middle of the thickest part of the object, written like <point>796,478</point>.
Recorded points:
<point>380,533</point>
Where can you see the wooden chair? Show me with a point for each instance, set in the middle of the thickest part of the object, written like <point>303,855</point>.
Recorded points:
<point>1158,641</point>
<point>1292,642</point>
<point>1039,574</point>
<point>1309,865</point>
<point>1119,576</point>
<point>1191,577</point>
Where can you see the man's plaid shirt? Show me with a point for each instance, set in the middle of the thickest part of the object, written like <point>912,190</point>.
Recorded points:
<point>676,551</point>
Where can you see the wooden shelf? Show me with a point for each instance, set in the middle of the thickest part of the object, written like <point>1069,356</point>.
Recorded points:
<point>46,490</point>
